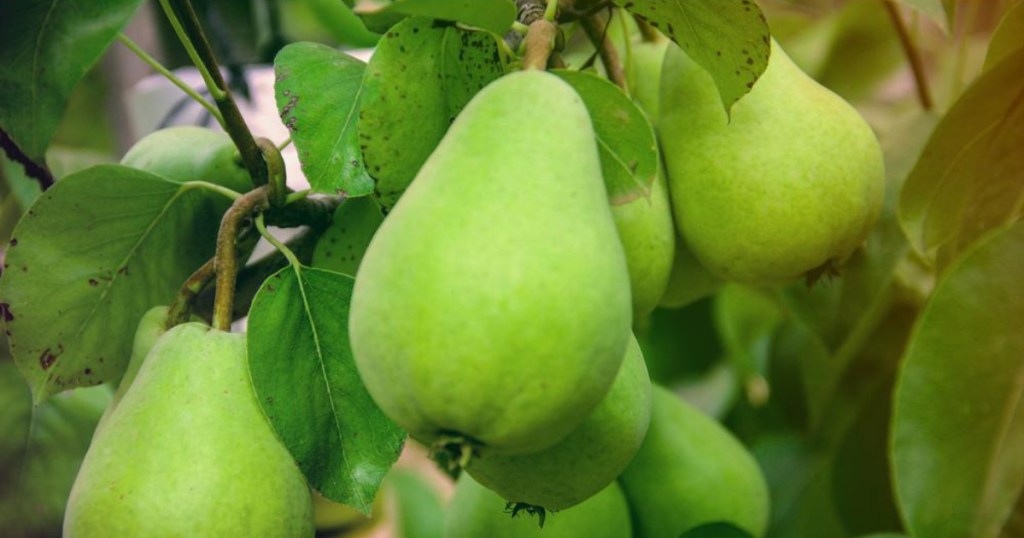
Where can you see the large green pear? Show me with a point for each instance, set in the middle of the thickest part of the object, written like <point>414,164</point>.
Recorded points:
<point>187,452</point>
<point>789,185</point>
<point>649,242</point>
<point>586,461</point>
<point>493,303</point>
<point>689,280</point>
<point>477,512</point>
<point>691,471</point>
<point>189,153</point>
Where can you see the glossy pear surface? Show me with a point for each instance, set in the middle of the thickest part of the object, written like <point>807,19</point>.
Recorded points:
<point>477,512</point>
<point>691,471</point>
<point>189,153</point>
<point>187,452</point>
<point>792,183</point>
<point>586,461</point>
<point>649,242</point>
<point>493,303</point>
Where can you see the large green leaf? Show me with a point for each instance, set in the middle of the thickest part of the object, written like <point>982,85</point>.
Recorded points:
<point>958,426</point>
<point>728,38</point>
<point>625,139</point>
<point>493,15</point>
<point>323,124</point>
<point>47,47</point>
<point>970,177</point>
<point>88,259</point>
<point>40,451</point>
<point>420,513</point>
<point>416,83</point>
<point>306,382</point>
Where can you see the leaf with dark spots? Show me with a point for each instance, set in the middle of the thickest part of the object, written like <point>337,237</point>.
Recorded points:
<point>323,124</point>
<point>728,38</point>
<point>130,244</point>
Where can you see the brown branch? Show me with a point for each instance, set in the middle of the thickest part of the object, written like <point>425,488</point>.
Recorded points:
<point>189,292</point>
<point>540,41</point>
<point>913,55</point>
<point>34,170</point>
<point>226,263</point>
<point>234,123</point>
<point>596,30</point>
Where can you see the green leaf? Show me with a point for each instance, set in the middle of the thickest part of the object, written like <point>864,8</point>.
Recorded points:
<point>419,511</point>
<point>625,139</point>
<point>1006,38</point>
<point>933,9</point>
<point>40,451</point>
<point>719,529</point>
<point>416,83</point>
<point>728,38</point>
<point>48,46</point>
<point>88,259</point>
<point>323,124</point>
<point>343,25</point>
<point>958,427</point>
<point>342,245</point>
<point>305,379</point>
<point>970,177</point>
<point>492,15</point>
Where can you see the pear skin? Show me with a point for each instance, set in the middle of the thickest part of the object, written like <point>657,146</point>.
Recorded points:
<point>691,471</point>
<point>188,452</point>
<point>649,242</point>
<point>788,186</point>
<point>586,461</point>
<point>493,303</point>
<point>477,512</point>
<point>189,153</point>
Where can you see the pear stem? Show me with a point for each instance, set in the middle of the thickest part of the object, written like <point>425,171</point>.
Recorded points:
<point>913,56</point>
<point>540,41</point>
<point>597,31</point>
<point>190,32</point>
<point>226,260</point>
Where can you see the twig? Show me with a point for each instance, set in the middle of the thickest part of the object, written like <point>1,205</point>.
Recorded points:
<point>226,263</point>
<point>913,55</point>
<point>34,170</point>
<point>234,124</point>
<point>540,41</point>
<point>596,30</point>
<point>189,292</point>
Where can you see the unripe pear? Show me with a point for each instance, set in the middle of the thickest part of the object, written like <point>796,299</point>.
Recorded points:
<point>691,471</point>
<point>189,153</point>
<point>187,452</point>
<point>493,303</point>
<point>787,186</point>
<point>477,512</point>
<point>586,461</point>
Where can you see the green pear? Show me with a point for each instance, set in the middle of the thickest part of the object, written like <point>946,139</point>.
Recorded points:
<point>187,452</point>
<point>151,327</point>
<point>477,512</point>
<point>648,239</point>
<point>788,186</point>
<point>493,304</point>
<point>189,153</point>
<point>691,471</point>
<point>586,461</point>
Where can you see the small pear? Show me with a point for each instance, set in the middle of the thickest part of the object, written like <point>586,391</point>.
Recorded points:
<point>151,327</point>
<point>649,242</point>
<point>788,186</point>
<point>477,512</point>
<point>187,452</point>
<point>586,461</point>
<point>189,153</point>
<point>493,304</point>
<point>691,471</point>
<point>644,73</point>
